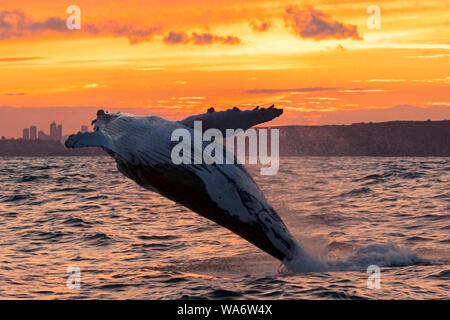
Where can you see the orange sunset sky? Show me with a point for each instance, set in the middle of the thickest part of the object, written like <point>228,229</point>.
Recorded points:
<point>316,59</point>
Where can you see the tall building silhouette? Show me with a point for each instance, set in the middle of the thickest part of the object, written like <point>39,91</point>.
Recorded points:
<point>59,132</point>
<point>25,134</point>
<point>53,131</point>
<point>33,133</point>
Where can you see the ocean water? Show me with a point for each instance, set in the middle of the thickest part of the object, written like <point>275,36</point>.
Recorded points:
<point>129,243</point>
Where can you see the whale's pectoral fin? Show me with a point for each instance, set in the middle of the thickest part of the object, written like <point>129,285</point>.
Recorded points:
<point>88,139</point>
<point>233,118</point>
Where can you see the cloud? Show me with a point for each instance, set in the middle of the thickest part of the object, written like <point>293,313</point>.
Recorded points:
<point>12,24</point>
<point>260,26</point>
<point>231,40</point>
<point>176,38</point>
<point>150,69</point>
<point>199,38</point>
<point>90,85</point>
<point>132,33</point>
<point>386,80</point>
<point>208,38</point>
<point>18,59</point>
<point>15,94</point>
<point>203,38</point>
<point>191,98</point>
<point>53,24</point>
<point>16,24</point>
<point>361,90</point>
<point>439,103</point>
<point>310,23</point>
<point>434,56</point>
<point>272,91</point>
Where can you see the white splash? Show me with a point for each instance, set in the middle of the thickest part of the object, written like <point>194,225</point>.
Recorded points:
<point>382,255</point>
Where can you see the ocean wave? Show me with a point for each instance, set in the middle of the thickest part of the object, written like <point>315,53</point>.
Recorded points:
<point>77,222</point>
<point>155,237</point>
<point>49,236</point>
<point>390,175</point>
<point>224,294</point>
<point>31,178</point>
<point>100,239</point>
<point>356,192</point>
<point>16,198</point>
<point>445,274</point>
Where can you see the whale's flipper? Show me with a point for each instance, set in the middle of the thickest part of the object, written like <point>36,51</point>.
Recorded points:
<point>233,118</point>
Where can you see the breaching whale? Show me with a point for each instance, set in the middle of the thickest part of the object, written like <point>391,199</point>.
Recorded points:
<point>223,193</point>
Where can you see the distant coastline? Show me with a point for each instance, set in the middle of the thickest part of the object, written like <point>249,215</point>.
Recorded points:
<point>43,148</point>
<point>391,139</point>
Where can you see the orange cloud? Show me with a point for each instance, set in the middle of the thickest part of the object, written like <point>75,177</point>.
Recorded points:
<point>18,59</point>
<point>261,25</point>
<point>207,38</point>
<point>272,91</point>
<point>176,38</point>
<point>199,38</point>
<point>15,94</point>
<point>16,24</point>
<point>310,23</point>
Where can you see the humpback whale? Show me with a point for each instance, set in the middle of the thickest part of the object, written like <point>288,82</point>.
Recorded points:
<point>223,193</point>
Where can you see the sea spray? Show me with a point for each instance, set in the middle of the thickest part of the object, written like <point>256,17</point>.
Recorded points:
<point>381,255</point>
<point>303,261</point>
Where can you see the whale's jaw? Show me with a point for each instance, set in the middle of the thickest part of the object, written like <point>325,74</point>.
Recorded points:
<point>187,189</point>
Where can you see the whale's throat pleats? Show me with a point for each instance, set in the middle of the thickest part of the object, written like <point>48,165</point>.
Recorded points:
<point>187,189</point>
